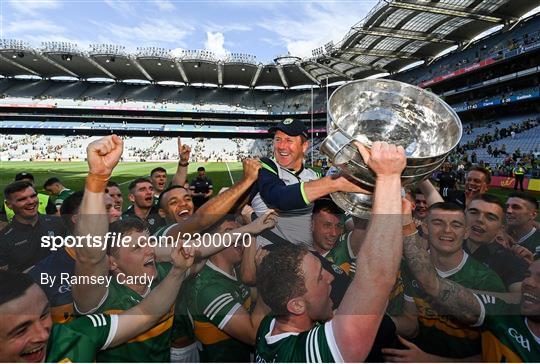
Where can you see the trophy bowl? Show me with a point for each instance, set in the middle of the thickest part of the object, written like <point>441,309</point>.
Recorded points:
<point>398,113</point>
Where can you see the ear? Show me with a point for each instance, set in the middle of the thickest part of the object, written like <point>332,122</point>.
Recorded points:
<point>131,197</point>
<point>113,265</point>
<point>305,146</point>
<point>296,306</point>
<point>74,218</point>
<point>9,204</point>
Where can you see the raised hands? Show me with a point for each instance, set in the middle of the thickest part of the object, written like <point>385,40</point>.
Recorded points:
<point>266,221</point>
<point>384,159</point>
<point>184,152</point>
<point>104,154</point>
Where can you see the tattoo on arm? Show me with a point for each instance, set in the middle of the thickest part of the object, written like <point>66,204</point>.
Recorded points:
<point>449,297</point>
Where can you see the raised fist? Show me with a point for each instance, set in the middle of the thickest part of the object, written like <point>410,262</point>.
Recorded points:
<point>183,152</point>
<point>104,154</point>
<point>251,169</point>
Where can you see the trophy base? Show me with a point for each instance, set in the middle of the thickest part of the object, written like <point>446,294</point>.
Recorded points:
<point>355,204</point>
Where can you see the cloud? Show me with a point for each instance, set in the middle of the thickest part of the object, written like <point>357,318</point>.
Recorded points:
<point>31,7</point>
<point>149,33</point>
<point>121,6</point>
<point>33,27</point>
<point>164,5</point>
<point>315,24</point>
<point>215,43</point>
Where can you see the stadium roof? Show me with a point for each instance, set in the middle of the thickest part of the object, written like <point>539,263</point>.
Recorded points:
<point>395,34</point>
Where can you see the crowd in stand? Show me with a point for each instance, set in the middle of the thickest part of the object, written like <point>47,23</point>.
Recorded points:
<point>270,269</point>
<point>465,155</point>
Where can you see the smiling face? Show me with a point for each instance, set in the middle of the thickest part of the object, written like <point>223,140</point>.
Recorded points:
<point>176,205</point>
<point>25,327</point>
<point>326,230</point>
<point>484,221</point>
<point>420,207</point>
<point>116,195</point>
<point>530,292</point>
<point>137,259</point>
<point>24,203</point>
<point>519,212</point>
<point>446,231</point>
<point>289,150</point>
<point>476,184</point>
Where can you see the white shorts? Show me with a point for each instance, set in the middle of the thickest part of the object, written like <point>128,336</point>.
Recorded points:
<point>187,354</point>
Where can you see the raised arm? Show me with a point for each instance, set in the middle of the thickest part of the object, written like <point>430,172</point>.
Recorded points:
<point>205,245</point>
<point>102,155</point>
<point>430,192</point>
<point>180,177</point>
<point>213,210</point>
<point>160,300</point>
<point>359,315</point>
<point>451,297</point>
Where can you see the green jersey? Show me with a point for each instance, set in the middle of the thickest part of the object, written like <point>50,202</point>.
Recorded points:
<point>317,345</point>
<point>58,200</point>
<point>342,255</point>
<point>506,336</point>
<point>213,299</point>
<point>440,334</point>
<point>531,240</point>
<point>150,346</point>
<point>81,339</point>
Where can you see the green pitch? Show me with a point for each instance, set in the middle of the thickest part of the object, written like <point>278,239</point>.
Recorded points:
<point>73,174</point>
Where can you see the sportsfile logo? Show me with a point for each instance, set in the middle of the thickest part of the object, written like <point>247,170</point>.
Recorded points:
<point>519,338</point>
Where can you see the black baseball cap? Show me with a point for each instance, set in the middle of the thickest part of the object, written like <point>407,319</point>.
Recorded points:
<point>24,175</point>
<point>291,127</point>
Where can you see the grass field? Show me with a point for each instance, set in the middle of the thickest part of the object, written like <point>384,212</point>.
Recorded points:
<point>74,173</point>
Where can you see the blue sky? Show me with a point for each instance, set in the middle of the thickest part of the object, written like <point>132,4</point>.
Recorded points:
<point>261,28</point>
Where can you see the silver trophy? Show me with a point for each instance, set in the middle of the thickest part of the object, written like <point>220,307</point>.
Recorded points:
<point>398,113</point>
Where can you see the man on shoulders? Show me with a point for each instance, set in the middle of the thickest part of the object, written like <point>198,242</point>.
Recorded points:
<point>286,185</point>
<point>293,283</point>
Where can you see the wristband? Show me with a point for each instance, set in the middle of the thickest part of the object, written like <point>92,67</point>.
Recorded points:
<point>96,182</point>
<point>183,164</point>
<point>409,229</point>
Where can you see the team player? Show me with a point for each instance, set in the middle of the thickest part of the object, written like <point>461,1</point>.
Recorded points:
<point>433,331</point>
<point>510,333</point>
<point>141,195</point>
<point>476,183</point>
<point>28,335</point>
<point>521,212</point>
<point>220,302</point>
<point>301,296</point>
<point>484,218</point>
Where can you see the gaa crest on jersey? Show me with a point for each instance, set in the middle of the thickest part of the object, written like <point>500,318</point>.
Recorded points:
<point>521,340</point>
<point>151,221</point>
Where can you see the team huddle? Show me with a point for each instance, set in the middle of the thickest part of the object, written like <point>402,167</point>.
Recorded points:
<point>270,269</point>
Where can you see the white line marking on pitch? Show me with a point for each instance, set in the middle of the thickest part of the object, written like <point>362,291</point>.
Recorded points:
<point>230,174</point>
